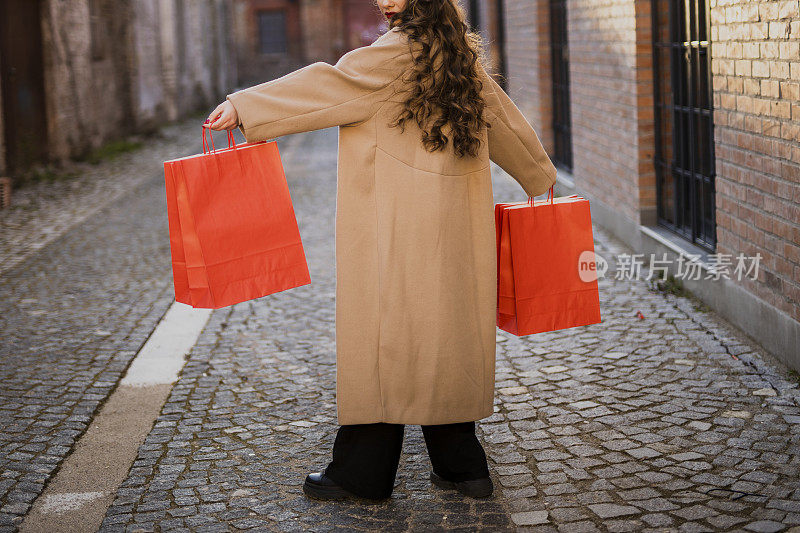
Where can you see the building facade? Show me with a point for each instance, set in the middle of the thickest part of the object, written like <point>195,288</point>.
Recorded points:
<point>78,74</point>
<point>679,120</point>
<point>274,37</point>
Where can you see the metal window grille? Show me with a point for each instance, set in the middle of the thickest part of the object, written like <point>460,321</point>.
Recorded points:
<point>475,15</point>
<point>685,166</point>
<point>562,121</point>
<point>272,32</point>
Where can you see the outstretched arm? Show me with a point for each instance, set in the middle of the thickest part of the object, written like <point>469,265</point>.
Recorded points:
<point>321,95</point>
<point>513,143</point>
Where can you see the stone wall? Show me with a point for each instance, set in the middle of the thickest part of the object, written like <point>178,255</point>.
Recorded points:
<point>184,57</point>
<point>116,67</point>
<point>611,93</point>
<point>603,79</point>
<point>87,78</point>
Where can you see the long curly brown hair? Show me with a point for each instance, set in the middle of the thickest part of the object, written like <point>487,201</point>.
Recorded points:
<point>445,85</point>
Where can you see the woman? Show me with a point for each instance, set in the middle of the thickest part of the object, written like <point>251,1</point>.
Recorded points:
<point>416,275</point>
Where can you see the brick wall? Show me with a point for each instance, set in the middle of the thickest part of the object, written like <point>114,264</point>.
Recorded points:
<point>756,76</point>
<point>528,63</point>
<point>603,62</point>
<point>611,93</point>
<point>322,31</point>
<point>311,29</point>
<point>316,30</point>
<point>645,114</point>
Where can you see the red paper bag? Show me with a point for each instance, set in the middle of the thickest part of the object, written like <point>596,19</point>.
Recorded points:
<point>232,227</point>
<point>542,246</point>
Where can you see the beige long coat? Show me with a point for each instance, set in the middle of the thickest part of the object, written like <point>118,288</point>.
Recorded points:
<point>416,272</point>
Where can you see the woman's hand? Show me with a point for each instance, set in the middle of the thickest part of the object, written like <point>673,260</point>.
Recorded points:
<point>224,117</point>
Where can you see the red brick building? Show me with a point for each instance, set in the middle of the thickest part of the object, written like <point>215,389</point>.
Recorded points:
<point>274,37</point>
<point>680,121</point>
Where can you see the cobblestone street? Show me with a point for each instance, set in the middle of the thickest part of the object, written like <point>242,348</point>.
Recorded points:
<point>668,420</point>
<point>77,300</point>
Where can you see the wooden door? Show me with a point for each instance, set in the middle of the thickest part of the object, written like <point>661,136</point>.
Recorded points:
<point>22,83</point>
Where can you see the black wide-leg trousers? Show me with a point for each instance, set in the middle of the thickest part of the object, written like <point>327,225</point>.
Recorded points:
<point>366,456</point>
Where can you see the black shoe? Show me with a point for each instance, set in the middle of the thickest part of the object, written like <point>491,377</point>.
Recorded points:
<point>475,488</point>
<point>320,486</point>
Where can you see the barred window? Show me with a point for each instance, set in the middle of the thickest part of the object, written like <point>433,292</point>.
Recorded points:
<point>272,32</point>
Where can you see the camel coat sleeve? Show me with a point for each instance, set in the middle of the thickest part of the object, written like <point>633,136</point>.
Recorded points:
<point>321,95</point>
<point>513,143</point>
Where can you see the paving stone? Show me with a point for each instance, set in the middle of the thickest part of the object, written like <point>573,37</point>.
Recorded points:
<point>610,510</point>
<point>767,391</point>
<point>736,414</point>
<point>686,456</point>
<point>722,521</point>
<point>618,525</point>
<point>519,480</point>
<point>553,369</point>
<point>643,453</point>
<point>695,512</point>
<point>560,488</point>
<point>578,527</point>
<point>512,391</point>
<point>702,426</point>
<point>655,504</point>
<point>638,494</point>
<point>568,514</point>
<point>530,518</point>
<point>585,404</point>
<point>764,526</point>
<point>657,519</point>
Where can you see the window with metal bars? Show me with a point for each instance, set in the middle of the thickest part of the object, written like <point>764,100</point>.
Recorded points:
<point>684,121</point>
<point>272,32</point>
<point>562,121</point>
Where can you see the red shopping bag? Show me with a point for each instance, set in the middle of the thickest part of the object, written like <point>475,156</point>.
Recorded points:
<point>546,277</point>
<point>232,228</point>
